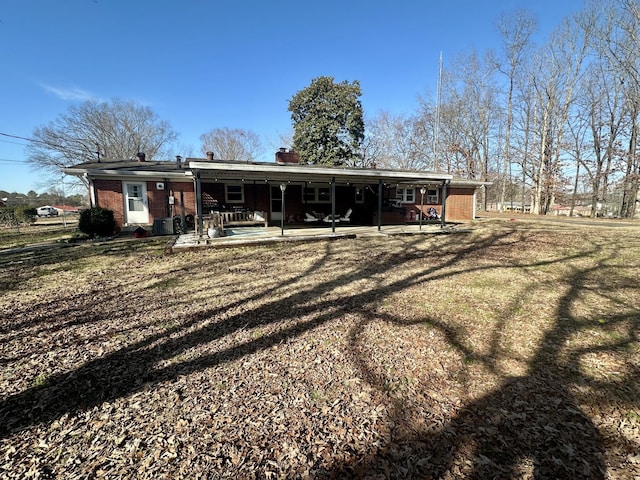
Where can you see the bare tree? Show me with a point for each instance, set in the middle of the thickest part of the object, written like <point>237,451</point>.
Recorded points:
<point>516,30</point>
<point>470,116</point>
<point>601,105</point>
<point>94,131</point>
<point>620,43</point>
<point>555,74</point>
<point>396,142</point>
<point>231,144</point>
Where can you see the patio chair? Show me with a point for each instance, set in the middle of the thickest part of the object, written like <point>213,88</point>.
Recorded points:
<point>308,218</point>
<point>329,218</point>
<point>347,216</point>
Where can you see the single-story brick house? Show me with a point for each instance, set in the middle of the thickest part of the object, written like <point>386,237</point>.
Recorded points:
<point>141,192</point>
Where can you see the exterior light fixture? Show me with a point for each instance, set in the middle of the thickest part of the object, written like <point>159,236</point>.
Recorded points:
<point>422,192</point>
<point>283,187</point>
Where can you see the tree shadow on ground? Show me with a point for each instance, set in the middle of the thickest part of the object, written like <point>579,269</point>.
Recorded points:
<point>527,427</point>
<point>130,368</point>
<point>531,417</point>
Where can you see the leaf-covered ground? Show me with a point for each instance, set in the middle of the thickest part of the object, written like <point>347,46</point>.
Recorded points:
<point>511,350</point>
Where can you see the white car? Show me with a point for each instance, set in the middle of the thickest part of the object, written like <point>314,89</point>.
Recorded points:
<point>47,212</point>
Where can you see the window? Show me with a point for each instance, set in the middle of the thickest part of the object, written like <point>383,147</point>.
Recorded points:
<point>432,195</point>
<point>234,193</point>
<point>405,195</point>
<point>316,194</point>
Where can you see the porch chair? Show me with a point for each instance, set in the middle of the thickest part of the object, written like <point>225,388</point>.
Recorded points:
<point>329,218</point>
<point>308,218</point>
<point>347,216</point>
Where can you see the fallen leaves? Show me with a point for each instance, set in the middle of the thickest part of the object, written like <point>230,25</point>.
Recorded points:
<point>375,358</point>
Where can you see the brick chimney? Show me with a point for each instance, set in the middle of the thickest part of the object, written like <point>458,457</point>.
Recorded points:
<point>179,161</point>
<point>283,157</point>
<point>209,155</point>
<point>141,156</point>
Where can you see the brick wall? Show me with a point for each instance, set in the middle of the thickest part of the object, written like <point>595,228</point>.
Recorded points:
<point>189,195</point>
<point>109,195</point>
<point>459,204</point>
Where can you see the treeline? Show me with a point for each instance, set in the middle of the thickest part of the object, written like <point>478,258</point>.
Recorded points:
<point>34,199</point>
<point>546,123</point>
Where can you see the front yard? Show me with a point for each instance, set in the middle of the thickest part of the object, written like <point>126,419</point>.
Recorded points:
<point>509,351</point>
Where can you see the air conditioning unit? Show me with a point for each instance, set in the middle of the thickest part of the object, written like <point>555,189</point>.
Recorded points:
<point>163,226</point>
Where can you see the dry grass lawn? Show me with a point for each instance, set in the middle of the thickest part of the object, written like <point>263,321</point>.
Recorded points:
<point>511,350</point>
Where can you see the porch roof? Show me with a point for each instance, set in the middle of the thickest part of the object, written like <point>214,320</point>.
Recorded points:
<point>275,173</point>
<point>271,172</point>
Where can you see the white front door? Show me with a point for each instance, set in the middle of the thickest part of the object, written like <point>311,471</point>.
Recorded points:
<point>276,203</point>
<point>135,203</point>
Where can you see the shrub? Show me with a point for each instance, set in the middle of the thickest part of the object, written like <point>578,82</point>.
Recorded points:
<point>25,214</point>
<point>14,216</point>
<point>97,221</point>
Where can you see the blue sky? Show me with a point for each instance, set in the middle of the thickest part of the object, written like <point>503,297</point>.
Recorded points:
<point>204,64</point>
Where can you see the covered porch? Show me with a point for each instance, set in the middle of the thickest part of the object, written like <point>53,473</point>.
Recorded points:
<point>293,195</point>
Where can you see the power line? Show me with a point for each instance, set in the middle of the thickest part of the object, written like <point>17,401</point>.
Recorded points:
<point>12,143</point>
<point>20,138</point>
<point>13,161</point>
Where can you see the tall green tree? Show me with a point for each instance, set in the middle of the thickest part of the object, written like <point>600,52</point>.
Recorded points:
<point>328,122</point>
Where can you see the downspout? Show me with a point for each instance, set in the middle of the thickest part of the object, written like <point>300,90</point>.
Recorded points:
<point>333,204</point>
<point>167,194</point>
<point>93,194</point>
<point>444,203</point>
<point>379,204</point>
<point>183,214</point>
<point>198,187</point>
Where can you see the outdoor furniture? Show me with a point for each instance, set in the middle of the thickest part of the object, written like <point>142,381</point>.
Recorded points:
<point>329,219</point>
<point>308,218</point>
<point>347,216</point>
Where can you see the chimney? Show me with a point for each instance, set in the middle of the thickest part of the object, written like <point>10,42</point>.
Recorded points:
<point>209,155</point>
<point>179,161</point>
<point>374,166</point>
<point>141,156</point>
<point>283,157</point>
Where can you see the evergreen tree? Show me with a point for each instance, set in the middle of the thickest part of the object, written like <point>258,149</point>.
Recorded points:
<point>328,122</point>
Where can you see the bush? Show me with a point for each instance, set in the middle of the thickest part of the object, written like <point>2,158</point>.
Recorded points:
<point>26,214</point>
<point>14,216</point>
<point>97,221</point>
<point>8,217</point>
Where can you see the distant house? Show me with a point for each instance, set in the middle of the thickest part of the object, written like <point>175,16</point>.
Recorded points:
<point>143,191</point>
<point>577,210</point>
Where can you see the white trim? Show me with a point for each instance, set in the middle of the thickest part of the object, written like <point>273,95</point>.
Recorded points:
<point>430,200</point>
<point>226,192</point>
<point>404,194</point>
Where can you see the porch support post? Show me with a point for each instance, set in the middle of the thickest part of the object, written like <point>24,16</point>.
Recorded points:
<point>333,204</point>
<point>379,204</point>
<point>183,214</point>
<point>283,187</point>
<point>199,203</point>
<point>444,203</point>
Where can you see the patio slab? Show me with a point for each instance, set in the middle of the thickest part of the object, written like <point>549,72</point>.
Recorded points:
<point>262,235</point>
